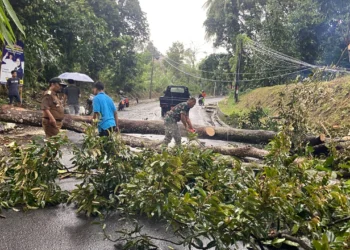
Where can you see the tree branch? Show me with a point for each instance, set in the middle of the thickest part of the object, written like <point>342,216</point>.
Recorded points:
<point>339,221</point>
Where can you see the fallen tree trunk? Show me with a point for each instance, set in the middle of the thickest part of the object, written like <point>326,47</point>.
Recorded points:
<point>71,122</point>
<point>33,118</point>
<point>240,152</point>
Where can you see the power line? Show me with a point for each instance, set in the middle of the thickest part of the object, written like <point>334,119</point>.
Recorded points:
<point>271,77</point>
<point>233,74</point>
<point>195,76</point>
<point>279,55</point>
<point>220,81</point>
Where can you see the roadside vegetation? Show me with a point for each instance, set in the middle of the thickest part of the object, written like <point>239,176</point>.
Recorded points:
<point>291,198</point>
<point>325,102</point>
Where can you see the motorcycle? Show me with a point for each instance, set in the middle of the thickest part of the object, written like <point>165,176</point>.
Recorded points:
<point>88,105</point>
<point>201,101</point>
<point>121,105</point>
<point>127,102</point>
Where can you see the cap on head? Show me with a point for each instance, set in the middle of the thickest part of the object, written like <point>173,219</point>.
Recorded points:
<point>57,80</point>
<point>99,86</point>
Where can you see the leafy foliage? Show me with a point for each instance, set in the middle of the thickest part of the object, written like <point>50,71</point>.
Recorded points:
<point>314,31</point>
<point>104,164</point>
<point>6,33</point>
<point>207,201</point>
<point>202,198</point>
<point>28,174</point>
<point>256,118</point>
<point>96,37</point>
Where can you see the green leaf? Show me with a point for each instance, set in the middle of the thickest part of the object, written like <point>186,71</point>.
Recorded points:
<point>317,245</point>
<point>13,15</point>
<point>291,243</point>
<point>278,241</point>
<point>198,242</point>
<point>202,192</point>
<point>295,229</point>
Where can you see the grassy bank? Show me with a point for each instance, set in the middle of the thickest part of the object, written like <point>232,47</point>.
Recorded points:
<point>332,105</point>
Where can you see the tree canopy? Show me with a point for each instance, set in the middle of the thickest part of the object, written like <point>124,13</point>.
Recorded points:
<point>96,37</point>
<point>314,31</point>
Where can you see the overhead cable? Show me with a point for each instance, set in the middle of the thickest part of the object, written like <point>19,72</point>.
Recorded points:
<point>233,74</point>
<point>213,80</point>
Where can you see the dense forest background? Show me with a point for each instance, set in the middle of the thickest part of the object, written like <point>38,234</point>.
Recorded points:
<point>110,41</point>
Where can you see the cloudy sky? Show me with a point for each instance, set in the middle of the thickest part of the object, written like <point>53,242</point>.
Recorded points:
<point>177,20</point>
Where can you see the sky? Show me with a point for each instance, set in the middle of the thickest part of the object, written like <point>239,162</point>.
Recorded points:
<point>177,20</point>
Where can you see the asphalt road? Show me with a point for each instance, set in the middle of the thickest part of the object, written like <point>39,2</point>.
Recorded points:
<point>152,110</point>
<point>60,228</point>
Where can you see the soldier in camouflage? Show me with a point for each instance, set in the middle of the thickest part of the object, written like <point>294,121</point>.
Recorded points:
<point>179,113</point>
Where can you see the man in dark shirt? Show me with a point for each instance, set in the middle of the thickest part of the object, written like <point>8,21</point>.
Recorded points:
<point>72,94</point>
<point>13,85</point>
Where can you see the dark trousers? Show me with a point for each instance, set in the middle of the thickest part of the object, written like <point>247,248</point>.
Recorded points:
<point>107,132</point>
<point>74,109</point>
<point>14,97</point>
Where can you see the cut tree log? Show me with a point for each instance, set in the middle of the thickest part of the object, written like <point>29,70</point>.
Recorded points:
<point>240,152</point>
<point>76,123</point>
<point>33,118</point>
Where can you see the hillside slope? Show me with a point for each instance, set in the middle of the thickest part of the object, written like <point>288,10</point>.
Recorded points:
<point>332,105</point>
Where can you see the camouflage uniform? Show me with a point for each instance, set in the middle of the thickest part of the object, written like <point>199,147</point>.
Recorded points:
<point>170,122</point>
<point>52,103</point>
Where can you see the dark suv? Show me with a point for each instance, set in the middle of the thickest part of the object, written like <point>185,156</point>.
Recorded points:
<point>173,95</point>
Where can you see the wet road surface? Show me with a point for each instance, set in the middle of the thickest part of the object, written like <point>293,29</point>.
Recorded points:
<point>60,228</point>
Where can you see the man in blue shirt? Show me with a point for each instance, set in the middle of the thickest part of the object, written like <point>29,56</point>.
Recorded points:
<point>104,111</point>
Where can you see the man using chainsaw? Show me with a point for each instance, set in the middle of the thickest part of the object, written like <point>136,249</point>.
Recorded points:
<point>179,113</point>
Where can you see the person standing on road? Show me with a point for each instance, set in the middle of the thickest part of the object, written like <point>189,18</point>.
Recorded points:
<point>72,94</point>
<point>179,113</point>
<point>52,107</point>
<point>13,85</point>
<point>204,95</point>
<point>105,111</point>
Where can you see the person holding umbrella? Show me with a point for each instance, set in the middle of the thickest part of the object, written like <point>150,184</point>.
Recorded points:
<point>72,95</point>
<point>52,107</point>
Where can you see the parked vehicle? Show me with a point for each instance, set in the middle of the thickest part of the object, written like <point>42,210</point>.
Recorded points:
<point>173,95</point>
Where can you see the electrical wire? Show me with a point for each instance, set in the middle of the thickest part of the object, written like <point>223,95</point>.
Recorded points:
<point>233,74</point>
<point>258,48</point>
<point>279,55</point>
<point>271,77</point>
<point>220,81</point>
<point>195,76</point>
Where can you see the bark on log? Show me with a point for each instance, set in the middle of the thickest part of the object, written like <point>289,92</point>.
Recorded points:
<point>33,118</point>
<point>240,152</point>
<point>72,122</point>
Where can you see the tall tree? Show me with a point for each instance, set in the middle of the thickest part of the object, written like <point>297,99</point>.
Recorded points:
<point>82,35</point>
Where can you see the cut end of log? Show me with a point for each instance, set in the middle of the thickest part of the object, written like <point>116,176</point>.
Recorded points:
<point>210,131</point>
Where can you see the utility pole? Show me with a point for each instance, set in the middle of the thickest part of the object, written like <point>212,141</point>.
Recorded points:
<point>215,89</point>
<point>238,66</point>
<point>151,82</point>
